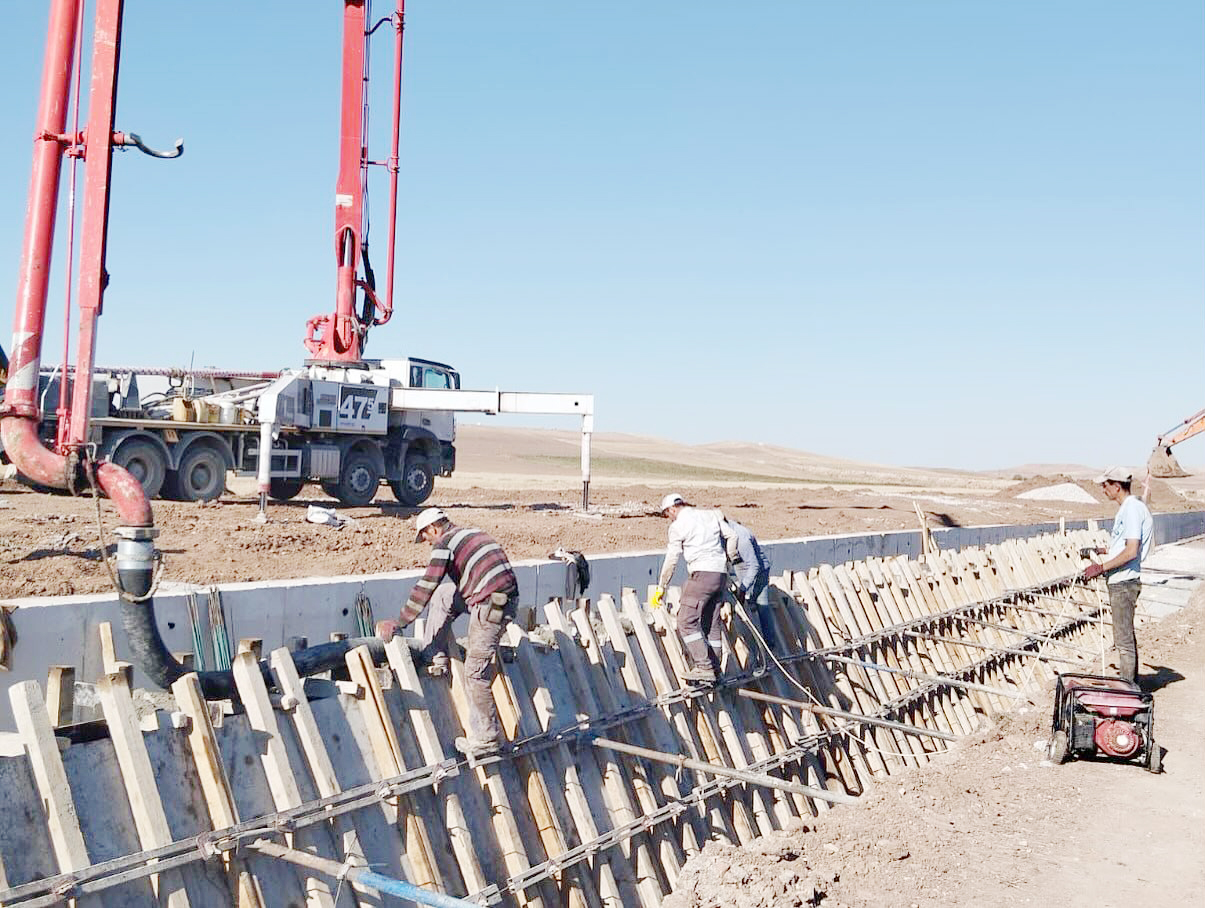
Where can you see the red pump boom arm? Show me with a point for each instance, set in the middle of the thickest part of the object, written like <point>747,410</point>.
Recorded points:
<point>339,337</point>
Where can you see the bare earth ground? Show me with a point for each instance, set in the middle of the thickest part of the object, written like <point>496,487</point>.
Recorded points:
<point>985,825</point>
<point>524,487</point>
<point>993,823</point>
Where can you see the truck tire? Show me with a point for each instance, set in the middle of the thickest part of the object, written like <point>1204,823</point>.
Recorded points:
<point>201,476</point>
<point>416,484</point>
<point>358,482</point>
<point>145,462</point>
<point>284,489</point>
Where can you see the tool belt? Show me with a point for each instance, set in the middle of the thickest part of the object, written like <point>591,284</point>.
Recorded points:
<point>500,607</point>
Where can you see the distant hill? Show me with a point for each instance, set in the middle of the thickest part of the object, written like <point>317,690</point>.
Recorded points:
<point>555,452</point>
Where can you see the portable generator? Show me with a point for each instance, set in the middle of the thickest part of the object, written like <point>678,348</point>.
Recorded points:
<point>1099,716</point>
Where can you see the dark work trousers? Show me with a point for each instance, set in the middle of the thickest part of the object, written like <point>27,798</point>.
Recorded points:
<point>486,624</point>
<point>1123,600</point>
<point>757,600</point>
<point>699,614</point>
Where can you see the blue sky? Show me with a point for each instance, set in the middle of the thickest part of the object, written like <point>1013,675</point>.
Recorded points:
<point>940,233</point>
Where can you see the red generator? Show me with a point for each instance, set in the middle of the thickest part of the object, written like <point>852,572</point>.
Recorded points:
<point>1099,716</point>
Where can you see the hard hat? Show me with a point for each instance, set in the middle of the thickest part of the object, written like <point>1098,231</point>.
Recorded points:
<point>670,500</point>
<point>1116,474</point>
<point>425,518</point>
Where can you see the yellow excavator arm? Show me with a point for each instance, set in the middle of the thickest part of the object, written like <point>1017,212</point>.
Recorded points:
<point>1162,464</point>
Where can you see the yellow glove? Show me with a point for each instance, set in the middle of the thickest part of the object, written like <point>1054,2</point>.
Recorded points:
<point>658,598</point>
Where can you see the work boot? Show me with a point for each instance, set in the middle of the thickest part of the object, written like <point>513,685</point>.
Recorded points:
<point>438,667</point>
<point>478,750</point>
<point>701,677</point>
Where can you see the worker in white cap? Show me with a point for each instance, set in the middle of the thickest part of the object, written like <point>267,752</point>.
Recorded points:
<point>468,572</point>
<point>1129,543</point>
<point>702,537</point>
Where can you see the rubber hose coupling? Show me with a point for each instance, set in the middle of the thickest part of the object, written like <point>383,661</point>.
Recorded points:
<point>135,559</point>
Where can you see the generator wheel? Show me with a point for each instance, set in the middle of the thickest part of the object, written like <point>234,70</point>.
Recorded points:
<point>1059,747</point>
<point>1154,759</point>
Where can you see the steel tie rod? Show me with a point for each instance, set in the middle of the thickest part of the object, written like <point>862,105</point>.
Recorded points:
<point>939,679</point>
<point>855,717</point>
<point>1031,635</point>
<point>753,778</point>
<point>364,877</point>
<point>994,649</point>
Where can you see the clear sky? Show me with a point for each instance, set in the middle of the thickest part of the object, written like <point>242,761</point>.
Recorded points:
<point>907,231</point>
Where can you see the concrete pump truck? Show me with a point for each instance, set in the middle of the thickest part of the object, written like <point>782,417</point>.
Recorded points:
<point>341,420</point>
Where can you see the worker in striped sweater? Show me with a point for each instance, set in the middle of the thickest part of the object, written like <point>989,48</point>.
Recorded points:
<point>468,572</point>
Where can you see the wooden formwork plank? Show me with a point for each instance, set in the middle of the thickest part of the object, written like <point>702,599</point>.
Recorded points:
<point>749,808</point>
<point>60,694</point>
<point>938,592</point>
<point>387,753</point>
<point>1010,665</point>
<point>501,812</point>
<point>653,660</point>
<point>615,696</point>
<point>912,606</point>
<point>865,606</point>
<point>629,661</point>
<point>594,698</point>
<point>869,687</point>
<point>322,770</point>
<point>940,704</point>
<point>418,716</point>
<point>932,709</point>
<point>794,626</point>
<point>748,722</point>
<point>543,695</point>
<point>281,781</point>
<point>761,733</point>
<point>555,809</point>
<point>33,724</point>
<point>214,785</point>
<point>997,673</point>
<point>139,780</point>
<point>838,686</point>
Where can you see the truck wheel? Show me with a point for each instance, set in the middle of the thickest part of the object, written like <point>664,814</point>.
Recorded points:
<point>282,489</point>
<point>145,462</point>
<point>416,484</point>
<point>201,476</point>
<point>358,480</point>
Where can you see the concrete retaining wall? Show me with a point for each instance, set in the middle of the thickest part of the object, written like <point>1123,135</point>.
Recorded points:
<point>63,630</point>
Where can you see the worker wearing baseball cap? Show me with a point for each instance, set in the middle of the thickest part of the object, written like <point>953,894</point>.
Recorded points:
<point>468,572</point>
<point>1129,543</point>
<point>702,537</point>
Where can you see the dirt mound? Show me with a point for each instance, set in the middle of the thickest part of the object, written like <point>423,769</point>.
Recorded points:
<point>1042,482</point>
<point>1162,498</point>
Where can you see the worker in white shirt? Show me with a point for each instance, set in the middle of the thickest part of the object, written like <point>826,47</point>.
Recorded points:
<point>701,537</point>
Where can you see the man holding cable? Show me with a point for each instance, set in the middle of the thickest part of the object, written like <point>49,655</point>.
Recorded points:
<point>1129,543</point>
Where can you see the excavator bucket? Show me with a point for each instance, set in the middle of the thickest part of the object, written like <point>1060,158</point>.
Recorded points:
<point>1163,465</point>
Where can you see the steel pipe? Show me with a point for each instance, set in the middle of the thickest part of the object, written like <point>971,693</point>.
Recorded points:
<point>855,717</point>
<point>921,676</point>
<point>360,876</point>
<point>753,778</point>
<point>994,649</point>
